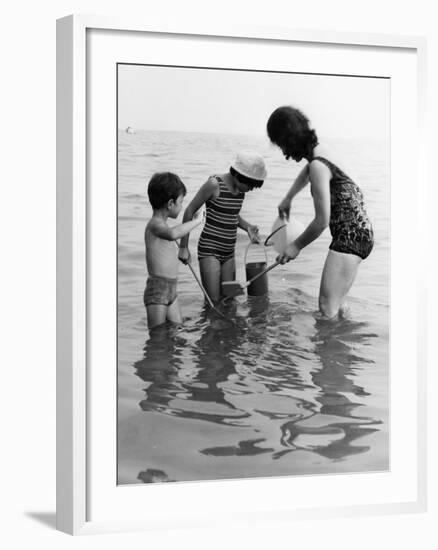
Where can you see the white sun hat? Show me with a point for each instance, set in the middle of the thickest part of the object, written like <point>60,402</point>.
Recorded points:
<point>250,164</point>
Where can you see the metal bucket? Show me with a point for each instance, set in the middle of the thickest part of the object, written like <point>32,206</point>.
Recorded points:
<point>260,286</point>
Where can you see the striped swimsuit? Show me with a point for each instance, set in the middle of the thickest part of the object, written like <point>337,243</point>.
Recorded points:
<point>218,238</point>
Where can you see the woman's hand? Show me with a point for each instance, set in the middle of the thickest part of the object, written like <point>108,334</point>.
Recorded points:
<point>284,208</point>
<point>290,253</point>
<point>253,234</point>
<point>184,255</point>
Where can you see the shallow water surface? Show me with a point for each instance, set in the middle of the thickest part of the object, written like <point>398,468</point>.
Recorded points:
<point>268,390</point>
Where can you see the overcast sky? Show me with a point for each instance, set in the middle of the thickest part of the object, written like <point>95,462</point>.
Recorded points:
<point>240,102</point>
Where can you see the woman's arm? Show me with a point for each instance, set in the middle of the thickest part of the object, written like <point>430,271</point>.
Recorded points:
<point>319,176</point>
<point>298,185</point>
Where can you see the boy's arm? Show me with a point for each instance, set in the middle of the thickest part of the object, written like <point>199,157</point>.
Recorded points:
<point>298,185</point>
<point>163,231</point>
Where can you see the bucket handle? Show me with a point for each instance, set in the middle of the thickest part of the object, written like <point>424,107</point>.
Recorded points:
<point>272,234</point>
<point>247,249</point>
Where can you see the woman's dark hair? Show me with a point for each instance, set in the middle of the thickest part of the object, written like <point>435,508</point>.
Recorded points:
<point>290,128</point>
<point>250,182</point>
<point>163,187</point>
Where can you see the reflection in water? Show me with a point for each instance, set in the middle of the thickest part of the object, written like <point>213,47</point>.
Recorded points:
<point>153,476</point>
<point>243,448</point>
<point>285,381</point>
<point>335,378</point>
<point>180,390</point>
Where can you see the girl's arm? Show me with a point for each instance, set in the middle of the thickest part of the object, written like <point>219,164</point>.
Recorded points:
<point>298,185</point>
<point>206,192</point>
<point>252,230</point>
<point>319,176</point>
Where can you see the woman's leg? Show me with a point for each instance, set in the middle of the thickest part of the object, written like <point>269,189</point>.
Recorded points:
<point>337,277</point>
<point>210,268</point>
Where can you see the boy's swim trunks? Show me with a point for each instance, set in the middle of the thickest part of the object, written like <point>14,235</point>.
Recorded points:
<point>350,226</point>
<point>218,238</point>
<point>159,291</point>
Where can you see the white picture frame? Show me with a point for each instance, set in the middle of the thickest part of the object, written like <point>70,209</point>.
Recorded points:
<point>76,488</point>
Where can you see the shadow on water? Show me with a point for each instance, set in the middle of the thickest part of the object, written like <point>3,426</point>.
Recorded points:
<point>235,374</point>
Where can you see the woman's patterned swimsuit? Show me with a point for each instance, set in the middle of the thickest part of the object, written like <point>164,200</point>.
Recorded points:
<point>218,237</point>
<point>350,226</point>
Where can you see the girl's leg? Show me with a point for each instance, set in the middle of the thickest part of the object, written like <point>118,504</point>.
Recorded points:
<point>156,315</point>
<point>210,268</point>
<point>337,277</point>
<point>174,313</point>
<point>228,270</point>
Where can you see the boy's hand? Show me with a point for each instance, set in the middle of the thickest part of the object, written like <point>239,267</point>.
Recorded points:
<point>290,253</point>
<point>253,233</point>
<point>284,208</point>
<point>184,255</point>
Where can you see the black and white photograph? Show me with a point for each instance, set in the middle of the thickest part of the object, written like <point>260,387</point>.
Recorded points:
<point>253,274</point>
<point>219,275</point>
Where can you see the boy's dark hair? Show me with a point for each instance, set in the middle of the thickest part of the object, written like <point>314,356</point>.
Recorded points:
<point>163,187</point>
<point>250,182</point>
<point>290,128</point>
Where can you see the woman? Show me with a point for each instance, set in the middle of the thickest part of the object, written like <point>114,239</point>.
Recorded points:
<point>338,202</point>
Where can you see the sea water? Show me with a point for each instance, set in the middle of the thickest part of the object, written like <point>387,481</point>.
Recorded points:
<point>270,390</point>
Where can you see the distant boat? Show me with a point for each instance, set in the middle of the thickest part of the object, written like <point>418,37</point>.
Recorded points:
<point>130,130</point>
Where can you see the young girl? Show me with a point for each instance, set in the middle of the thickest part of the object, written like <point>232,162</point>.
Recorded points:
<point>223,196</point>
<point>338,202</point>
